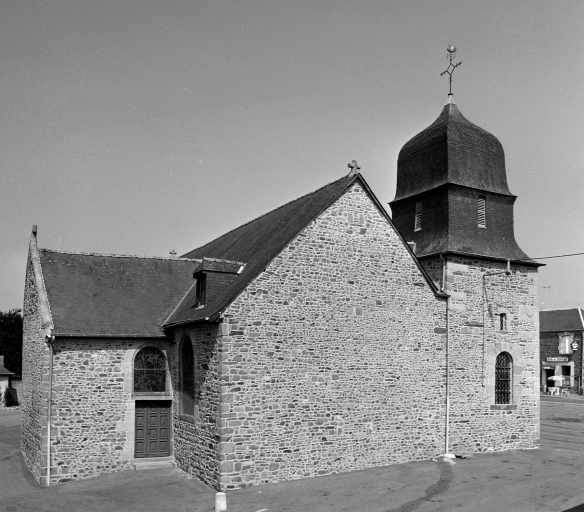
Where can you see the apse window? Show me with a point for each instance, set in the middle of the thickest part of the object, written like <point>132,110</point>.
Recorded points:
<point>481,208</point>
<point>418,221</point>
<point>503,378</point>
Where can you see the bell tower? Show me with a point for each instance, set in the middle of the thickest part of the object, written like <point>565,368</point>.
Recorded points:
<point>452,200</point>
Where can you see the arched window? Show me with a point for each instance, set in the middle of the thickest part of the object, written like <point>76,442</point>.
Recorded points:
<point>503,378</point>
<point>187,379</point>
<point>150,371</point>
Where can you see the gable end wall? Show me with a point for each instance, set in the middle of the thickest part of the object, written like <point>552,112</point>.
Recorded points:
<point>35,357</point>
<point>334,358</point>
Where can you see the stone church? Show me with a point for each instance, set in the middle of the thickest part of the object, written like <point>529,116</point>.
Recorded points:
<point>321,337</point>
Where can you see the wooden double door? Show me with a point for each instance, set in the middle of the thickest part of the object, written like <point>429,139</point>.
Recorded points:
<point>153,428</point>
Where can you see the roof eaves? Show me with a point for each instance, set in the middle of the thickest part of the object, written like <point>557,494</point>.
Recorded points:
<point>526,262</point>
<point>109,336</point>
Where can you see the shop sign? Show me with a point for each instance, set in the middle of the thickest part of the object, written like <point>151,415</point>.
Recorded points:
<point>557,359</point>
<point>574,346</point>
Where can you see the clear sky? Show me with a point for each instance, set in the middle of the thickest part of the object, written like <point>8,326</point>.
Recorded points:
<point>142,126</point>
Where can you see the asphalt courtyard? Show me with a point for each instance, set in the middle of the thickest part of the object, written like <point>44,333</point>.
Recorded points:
<point>548,479</point>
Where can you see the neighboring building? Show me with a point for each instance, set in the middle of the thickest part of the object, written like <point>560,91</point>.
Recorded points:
<point>560,342</point>
<point>309,341</point>
<point>5,376</point>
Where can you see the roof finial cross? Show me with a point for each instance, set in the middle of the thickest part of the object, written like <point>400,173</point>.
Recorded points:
<point>353,166</point>
<point>450,69</point>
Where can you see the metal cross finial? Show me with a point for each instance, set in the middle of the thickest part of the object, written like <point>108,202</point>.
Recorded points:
<point>451,67</point>
<point>353,166</point>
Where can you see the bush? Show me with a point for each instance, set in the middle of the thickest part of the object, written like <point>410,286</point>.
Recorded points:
<point>10,397</point>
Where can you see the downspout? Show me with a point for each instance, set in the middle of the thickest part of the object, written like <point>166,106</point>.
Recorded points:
<point>50,340</point>
<point>581,352</point>
<point>447,418</point>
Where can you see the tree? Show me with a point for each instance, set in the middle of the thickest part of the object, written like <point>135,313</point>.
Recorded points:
<point>11,340</point>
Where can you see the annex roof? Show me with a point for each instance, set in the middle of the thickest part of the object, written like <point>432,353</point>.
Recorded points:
<point>107,295</point>
<point>558,320</point>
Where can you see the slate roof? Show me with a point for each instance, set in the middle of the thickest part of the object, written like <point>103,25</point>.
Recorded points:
<point>96,294</point>
<point>451,150</point>
<point>258,242</point>
<point>557,320</point>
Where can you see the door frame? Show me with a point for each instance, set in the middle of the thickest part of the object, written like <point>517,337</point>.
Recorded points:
<point>144,403</point>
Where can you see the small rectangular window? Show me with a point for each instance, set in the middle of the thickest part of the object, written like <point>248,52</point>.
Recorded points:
<point>503,322</point>
<point>482,216</point>
<point>418,221</point>
<point>201,290</point>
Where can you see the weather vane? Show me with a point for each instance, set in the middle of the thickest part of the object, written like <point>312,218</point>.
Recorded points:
<point>451,67</point>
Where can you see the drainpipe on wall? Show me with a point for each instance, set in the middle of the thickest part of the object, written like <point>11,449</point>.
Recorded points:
<point>581,352</point>
<point>447,418</point>
<point>49,338</point>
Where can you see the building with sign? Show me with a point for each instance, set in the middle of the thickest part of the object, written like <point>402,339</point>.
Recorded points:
<point>560,341</point>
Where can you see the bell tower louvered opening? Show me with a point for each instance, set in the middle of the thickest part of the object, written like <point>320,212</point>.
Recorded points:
<point>482,215</point>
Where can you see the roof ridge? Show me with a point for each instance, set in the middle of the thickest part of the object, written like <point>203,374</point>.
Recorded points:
<point>350,175</point>
<point>111,255</point>
<point>219,260</point>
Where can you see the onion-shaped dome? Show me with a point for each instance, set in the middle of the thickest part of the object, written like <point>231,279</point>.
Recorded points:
<point>451,150</point>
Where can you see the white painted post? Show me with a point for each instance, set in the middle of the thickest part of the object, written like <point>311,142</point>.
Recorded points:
<point>220,502</point>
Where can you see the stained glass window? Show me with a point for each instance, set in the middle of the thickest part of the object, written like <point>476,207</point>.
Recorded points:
<point>503,378</point>
<point>150,371</point>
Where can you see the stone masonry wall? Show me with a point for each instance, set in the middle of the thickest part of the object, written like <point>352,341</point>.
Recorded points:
<point>33,398</point>
<point>334,356</point>
<point>477,423</point>
<point>195,443</point>
<point>93,406</point>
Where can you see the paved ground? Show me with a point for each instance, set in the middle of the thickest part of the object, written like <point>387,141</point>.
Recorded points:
<point>548,479</point>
